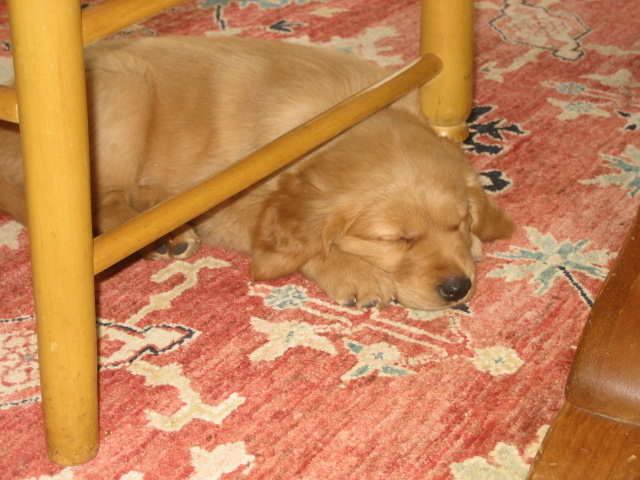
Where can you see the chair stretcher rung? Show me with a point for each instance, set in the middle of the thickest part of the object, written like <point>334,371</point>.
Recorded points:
<point>133,235</point>
<point>106,18</point>
<point>8,104</point>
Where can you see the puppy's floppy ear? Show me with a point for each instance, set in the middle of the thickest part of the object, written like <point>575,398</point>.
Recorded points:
<point>489,221</point>
<point>295,225</point>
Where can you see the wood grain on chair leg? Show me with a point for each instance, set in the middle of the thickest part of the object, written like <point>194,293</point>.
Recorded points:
<point>447,31</point>
<point>596,436</point>
<point>584,446</point>
<point>48,57</point>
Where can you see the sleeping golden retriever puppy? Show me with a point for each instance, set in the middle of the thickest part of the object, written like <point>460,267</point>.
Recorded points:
<point>385,211</point>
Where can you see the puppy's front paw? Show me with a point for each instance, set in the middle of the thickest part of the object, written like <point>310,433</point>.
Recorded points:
<point>350,280</point>
<point>181,243</point>
<point>362,286</point>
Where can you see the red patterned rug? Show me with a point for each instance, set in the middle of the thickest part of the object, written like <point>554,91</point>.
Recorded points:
<point>205,375</point>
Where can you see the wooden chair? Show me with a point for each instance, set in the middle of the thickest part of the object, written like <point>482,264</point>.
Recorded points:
<point>49,102</point>
<point>596,435</point>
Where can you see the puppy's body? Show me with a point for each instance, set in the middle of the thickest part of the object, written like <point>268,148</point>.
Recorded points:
<point>386,210</point>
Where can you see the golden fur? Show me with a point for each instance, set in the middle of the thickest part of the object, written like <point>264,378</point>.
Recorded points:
<point>385,211</point>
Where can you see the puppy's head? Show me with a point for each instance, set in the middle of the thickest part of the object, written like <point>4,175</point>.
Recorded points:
<point>393,193</point>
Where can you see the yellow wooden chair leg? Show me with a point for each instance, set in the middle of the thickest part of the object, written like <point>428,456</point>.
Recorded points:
<point>447,31</point>
<point>48,55</point>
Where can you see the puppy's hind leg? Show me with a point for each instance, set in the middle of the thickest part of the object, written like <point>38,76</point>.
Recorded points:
<point>114,208</point>
<point>181,242</point>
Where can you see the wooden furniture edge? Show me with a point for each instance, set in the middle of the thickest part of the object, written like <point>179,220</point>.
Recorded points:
<point>596,435</point>
<point>605,375</point>
<point>582,445</point>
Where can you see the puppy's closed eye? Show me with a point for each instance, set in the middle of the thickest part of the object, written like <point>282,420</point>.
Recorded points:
<point>395,239</point>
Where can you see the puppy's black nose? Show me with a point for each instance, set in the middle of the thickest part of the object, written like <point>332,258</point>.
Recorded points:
<point>454,288</point>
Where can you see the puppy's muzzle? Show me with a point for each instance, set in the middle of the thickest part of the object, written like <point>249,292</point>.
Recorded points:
<point>454,288</point>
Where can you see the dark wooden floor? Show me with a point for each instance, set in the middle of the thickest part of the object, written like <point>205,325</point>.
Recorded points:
<point>596,435</point>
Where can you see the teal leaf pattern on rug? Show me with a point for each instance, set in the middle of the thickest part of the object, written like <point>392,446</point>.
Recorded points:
<point>628,172</point>
<point>551,259</point>
<point>379,357</point>
<point>289,296</point>
<point>286,335</point>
